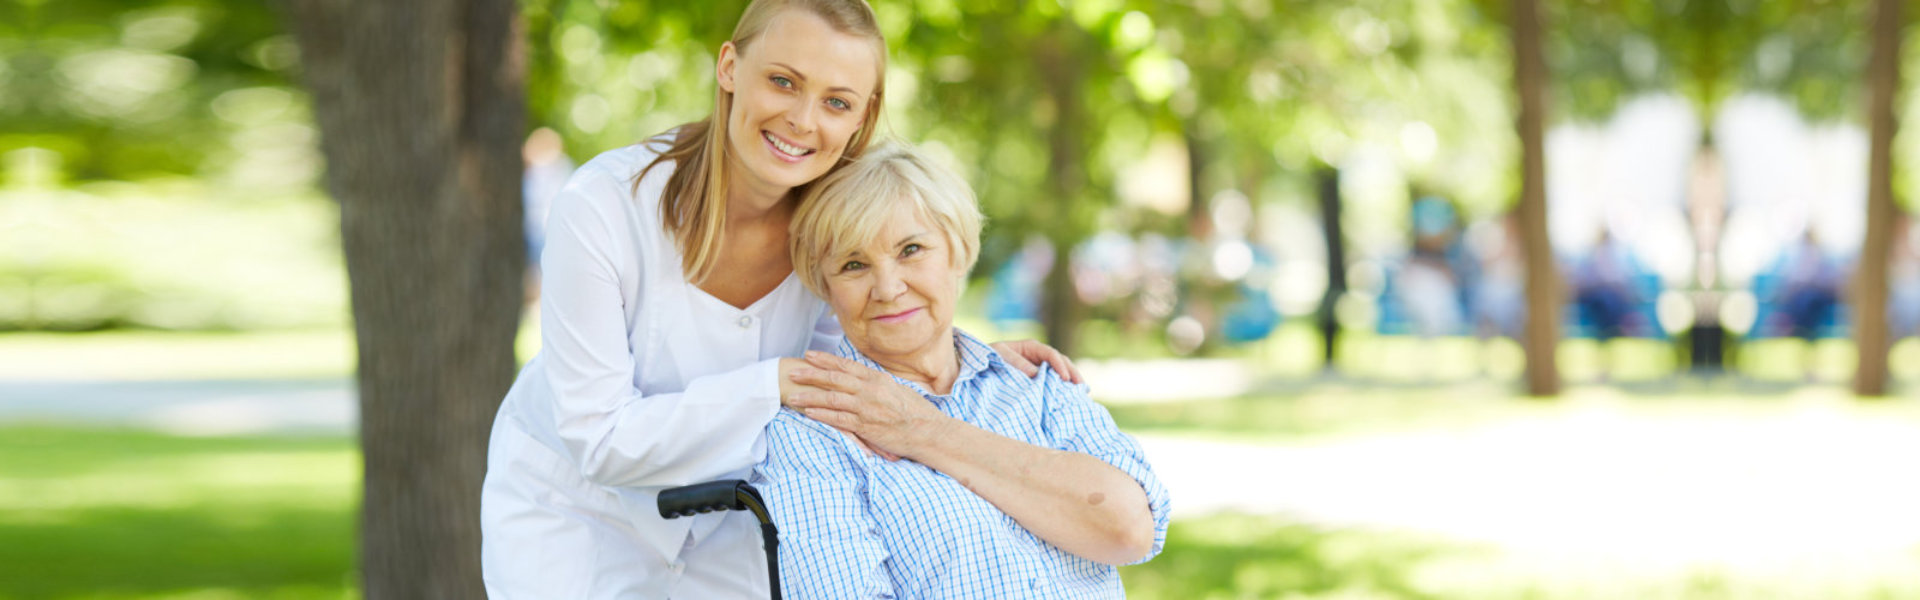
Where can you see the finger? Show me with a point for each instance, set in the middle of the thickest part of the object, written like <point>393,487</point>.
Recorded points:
<point>826,380</point>
<point>1015,360</point>
<point>871,449</point>
<point>835,401</point>
<point>839,363</point>
<point>1064,366</point>
<point>841,420</point>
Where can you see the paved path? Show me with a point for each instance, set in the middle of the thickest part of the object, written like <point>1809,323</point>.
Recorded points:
<point>1819,481</point>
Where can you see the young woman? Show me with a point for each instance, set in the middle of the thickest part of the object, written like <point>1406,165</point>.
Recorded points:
<point>669,314</point>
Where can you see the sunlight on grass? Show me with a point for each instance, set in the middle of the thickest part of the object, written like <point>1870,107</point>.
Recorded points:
<point>1234,555</point>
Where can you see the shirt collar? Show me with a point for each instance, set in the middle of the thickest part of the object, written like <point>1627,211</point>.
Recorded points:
<point>976,359</point>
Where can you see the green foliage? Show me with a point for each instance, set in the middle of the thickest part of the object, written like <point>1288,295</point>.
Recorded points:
<point>1813,51</point>
<point>130,90</point>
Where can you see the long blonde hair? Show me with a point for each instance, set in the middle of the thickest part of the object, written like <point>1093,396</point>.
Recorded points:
<point>693,207</point>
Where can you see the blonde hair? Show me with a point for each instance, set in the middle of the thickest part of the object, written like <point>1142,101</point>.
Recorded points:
<point>848,207</point>
<point>693,206</point>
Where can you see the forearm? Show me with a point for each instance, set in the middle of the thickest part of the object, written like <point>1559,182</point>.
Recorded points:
<point>1072,500</point>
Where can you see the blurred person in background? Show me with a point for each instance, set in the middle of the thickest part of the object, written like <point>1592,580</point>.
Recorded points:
<point>1433,281</point>
<point>1809,290</point>
<point>1605,295</point>
<point>669,314</point>
<point>1903,279</point>
<point>1007,487</point>
<point>547,170</point>
<point>1806,299</point>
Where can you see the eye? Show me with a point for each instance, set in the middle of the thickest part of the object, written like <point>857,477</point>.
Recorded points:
<point>852,265</point>
<point>781,81</point>
<point>911,249</point>
<point>839,104</point>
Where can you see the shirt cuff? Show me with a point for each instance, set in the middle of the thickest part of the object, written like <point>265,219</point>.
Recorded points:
<point>765,382</point>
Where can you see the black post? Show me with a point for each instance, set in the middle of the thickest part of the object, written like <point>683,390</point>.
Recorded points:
<point>1327,180</point>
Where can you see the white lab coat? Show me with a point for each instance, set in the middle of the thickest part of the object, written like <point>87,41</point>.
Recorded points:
<point>643,382</point>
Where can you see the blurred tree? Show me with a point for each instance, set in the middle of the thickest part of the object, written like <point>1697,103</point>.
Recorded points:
<point>1541,336</point>
<point>1288,86</point>
<point>1033,95</point>
<point>1870,291</point>
<point>421,107</point>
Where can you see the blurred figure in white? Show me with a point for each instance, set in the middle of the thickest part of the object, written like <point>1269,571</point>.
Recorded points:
<point>547,170</point>
<point>1498,299</point>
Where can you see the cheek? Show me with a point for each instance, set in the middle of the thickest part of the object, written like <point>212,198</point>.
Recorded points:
<point>845,302</point>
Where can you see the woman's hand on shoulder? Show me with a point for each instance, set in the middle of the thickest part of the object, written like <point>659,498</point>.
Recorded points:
<point>889,418</point>
<point>1027,355</point>
<point>791,389</point>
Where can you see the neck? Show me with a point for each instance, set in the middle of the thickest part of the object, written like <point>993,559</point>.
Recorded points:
<point>750,204</point>
<point>936,368</point>
<point>747,207</point>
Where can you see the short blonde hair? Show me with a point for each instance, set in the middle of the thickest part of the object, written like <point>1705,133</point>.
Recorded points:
<point>847,208</point>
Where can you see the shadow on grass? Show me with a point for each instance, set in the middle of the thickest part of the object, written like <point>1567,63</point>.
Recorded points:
<point>1239,556</point>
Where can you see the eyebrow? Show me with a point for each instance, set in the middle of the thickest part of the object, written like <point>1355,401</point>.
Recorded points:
<point>803,78</point>
<point>858,252</point>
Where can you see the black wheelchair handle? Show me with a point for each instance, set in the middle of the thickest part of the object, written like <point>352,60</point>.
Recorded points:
<point>728,494</point>
<point>686,501</point>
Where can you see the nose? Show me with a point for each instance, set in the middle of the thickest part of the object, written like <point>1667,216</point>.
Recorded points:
<point>887,283</point>
<point>800,117</point>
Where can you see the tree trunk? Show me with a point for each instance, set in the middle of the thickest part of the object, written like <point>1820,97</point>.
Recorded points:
<point>1327,182</point>
<point>421,105</point>
<point>1066,180</point>
<point>1542,331</point>
<point>1870,291</point>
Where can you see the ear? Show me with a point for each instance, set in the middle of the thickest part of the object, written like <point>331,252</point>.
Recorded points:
<point>723,68</point>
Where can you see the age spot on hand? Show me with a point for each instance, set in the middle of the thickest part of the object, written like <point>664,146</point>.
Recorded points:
<point>1096,498</point>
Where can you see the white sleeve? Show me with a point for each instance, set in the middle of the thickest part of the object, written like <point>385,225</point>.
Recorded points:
<point>614,434</point>
<point>826,332</point>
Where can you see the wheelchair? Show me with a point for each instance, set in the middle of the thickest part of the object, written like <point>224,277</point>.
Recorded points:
<point>722,495</point>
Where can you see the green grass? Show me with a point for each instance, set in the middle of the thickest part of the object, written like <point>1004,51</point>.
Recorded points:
<point>126,514</point>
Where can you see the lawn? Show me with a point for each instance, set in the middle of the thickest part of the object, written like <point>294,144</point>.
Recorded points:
<point>106,513</point>
<point>127,514</point>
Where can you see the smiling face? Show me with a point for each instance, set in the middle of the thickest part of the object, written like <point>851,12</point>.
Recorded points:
<point>895,293</point>
<point>801,89</point>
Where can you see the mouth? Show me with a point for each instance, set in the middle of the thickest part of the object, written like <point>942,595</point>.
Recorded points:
<point>897,317</point>
<point>785,150</point>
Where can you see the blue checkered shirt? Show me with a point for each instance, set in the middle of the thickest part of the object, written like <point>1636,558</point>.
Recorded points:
<point>853,525</point>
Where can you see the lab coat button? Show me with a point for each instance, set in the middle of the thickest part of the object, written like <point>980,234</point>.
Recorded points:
<point>746,322</point>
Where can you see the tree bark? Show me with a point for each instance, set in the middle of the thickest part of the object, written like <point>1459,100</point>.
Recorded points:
<point>1542,331</point>
<point>1870,291</point>
<point>1066,180</point>
<point>421,105</point>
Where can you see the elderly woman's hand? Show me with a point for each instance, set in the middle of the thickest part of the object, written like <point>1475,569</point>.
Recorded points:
<point>888,417</point>
<point>1026,355</point>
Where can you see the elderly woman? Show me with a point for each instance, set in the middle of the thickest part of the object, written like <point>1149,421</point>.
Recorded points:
<point>974,481</point>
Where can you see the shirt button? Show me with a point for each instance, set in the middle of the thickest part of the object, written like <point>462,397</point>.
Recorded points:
<point>746,322</point>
